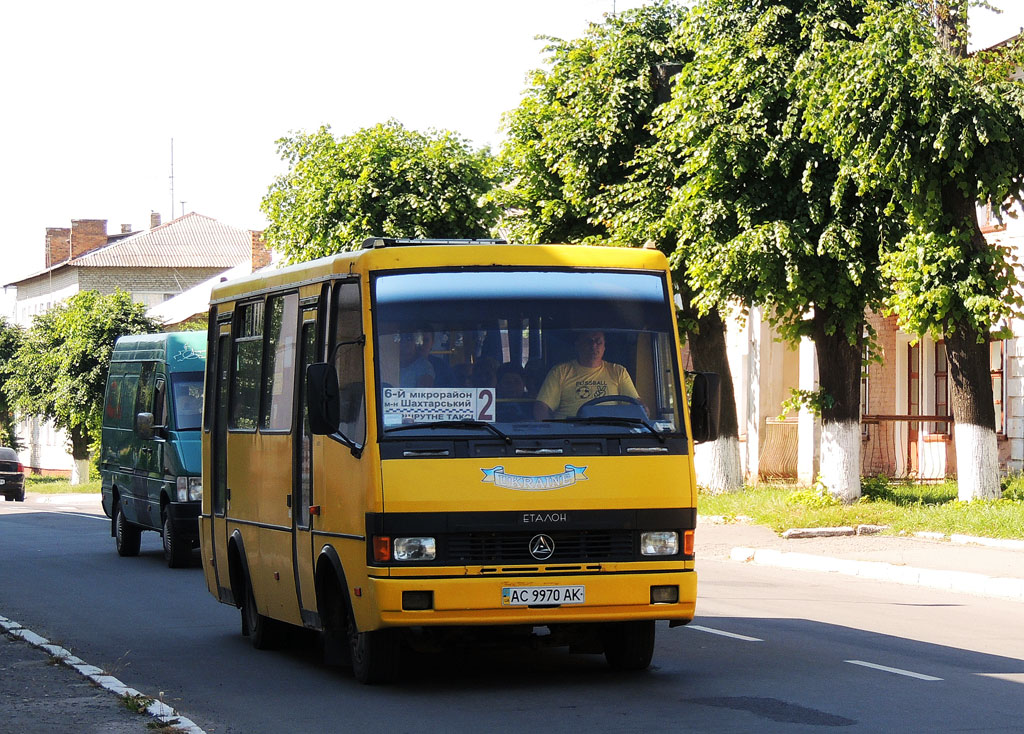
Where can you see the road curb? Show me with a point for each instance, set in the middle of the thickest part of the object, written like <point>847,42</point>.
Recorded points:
<point>959,581</point>
<point>156,708</point>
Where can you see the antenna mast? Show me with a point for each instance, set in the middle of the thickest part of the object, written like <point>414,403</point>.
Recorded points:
<point>172,178</point>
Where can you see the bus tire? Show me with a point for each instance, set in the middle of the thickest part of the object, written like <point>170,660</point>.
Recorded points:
<point>127,537</point>
<point>177,553</point>
<point>264,633</point>
<point>375,655</point>
<point>629,645</point>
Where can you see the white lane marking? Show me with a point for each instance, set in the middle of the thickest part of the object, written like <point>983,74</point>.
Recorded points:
<point>156,709</point>
<point>723,633</point>
<point>897,671</point>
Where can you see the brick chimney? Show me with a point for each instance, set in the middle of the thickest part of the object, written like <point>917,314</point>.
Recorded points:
<point>154,220</point>
<point>126,229</point>
<point>58,245</point>
<point>87,235</point>
<point>260,251</point>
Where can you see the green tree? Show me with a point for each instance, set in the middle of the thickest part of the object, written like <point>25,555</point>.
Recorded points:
<point>569,155</point>
<point>10,340</point>
<point>910,117</point>
<point>753,202</point>
<point>379,181</point>
<point>60,369</point>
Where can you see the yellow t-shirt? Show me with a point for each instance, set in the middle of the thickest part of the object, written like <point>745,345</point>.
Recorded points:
<point>569,385</point>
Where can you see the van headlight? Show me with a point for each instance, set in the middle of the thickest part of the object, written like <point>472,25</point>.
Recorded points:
<point>190,489</point>
<point>414,549</point>
<point>659,543</point>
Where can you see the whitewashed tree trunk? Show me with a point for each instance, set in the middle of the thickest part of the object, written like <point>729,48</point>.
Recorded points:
<point>977,463</point>
<point>80,471</point>
<point>840,459</point>
<point>718,465</point>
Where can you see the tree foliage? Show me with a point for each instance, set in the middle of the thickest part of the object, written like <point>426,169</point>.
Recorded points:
<point>10,340</point>
<point>909,121</point>
<point>752,197</point>
<point>60,368</point>
<point>580,124</point>
<point>384,180</point>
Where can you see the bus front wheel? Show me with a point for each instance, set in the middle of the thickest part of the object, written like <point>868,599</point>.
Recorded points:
<point>374,654</point>
<point>629,645</point>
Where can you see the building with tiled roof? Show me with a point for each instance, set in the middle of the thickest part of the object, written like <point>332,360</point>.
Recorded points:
<point>154,266</point>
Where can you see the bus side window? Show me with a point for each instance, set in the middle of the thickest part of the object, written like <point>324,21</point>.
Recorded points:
<point>349,360</point>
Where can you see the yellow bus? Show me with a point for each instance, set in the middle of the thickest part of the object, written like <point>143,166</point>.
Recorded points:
<point>426,441</point>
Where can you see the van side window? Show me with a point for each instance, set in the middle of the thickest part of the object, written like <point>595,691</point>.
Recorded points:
<point>245,379</point>
<point>147,387</point>
<point>112,408</point>
<point>349,360</point>
<point>159,403</point>
<point>279,362</point>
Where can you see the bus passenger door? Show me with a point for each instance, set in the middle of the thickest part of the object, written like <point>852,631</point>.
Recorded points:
<point>219,459</point>
<point>302,487</point>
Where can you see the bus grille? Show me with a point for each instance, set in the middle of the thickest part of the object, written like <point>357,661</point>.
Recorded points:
<point>570,547</point>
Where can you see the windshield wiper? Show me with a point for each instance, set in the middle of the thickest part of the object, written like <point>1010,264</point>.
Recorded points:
<point>612,420</point>
<point>454,424</point>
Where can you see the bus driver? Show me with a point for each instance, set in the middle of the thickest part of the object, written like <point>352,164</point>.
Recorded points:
<point>571,384</point>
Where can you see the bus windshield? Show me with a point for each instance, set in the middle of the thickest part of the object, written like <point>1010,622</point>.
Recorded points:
<point>525,351</point>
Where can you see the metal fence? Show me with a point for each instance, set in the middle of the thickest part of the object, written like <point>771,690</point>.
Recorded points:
<point>918,447</point>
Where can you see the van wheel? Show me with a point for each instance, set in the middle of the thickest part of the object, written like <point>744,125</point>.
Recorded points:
<point>20,497</point>
<point>177,553</point>
<point>629,645</point>
<point>375,655</point>
<point>264,633</point>
<point>127,537</point>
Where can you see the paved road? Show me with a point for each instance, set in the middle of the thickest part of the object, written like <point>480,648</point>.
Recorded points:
<point>772,651</point>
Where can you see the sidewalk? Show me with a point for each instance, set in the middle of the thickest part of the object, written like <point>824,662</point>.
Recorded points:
<point>959,564</point>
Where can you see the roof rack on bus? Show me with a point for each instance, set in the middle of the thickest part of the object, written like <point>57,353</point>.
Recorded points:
<point>373,242</point>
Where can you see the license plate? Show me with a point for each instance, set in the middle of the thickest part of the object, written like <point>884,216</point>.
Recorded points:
<point>524,596</point>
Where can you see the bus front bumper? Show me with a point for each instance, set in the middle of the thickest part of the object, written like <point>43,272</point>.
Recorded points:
<point>486,601</point>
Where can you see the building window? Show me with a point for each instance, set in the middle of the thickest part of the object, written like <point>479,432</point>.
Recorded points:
<point>941,388</point>
<point>996,357</point>
<point>865,387</point>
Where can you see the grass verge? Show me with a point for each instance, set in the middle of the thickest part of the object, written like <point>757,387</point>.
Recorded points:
<point>904,507</point>
<point>53,485</point>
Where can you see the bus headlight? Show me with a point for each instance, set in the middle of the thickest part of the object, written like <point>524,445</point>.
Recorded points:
<point>659,543</point>
<point>190,489</point>
<point>414,549</point>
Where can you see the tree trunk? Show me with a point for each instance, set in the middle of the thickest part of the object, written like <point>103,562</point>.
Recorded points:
<point>839,374</point>
<point>718,462</point>
<point>974,417</point>
<point>80,455</point>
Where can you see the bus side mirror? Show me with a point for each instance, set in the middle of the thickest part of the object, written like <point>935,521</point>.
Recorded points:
<point>705,404</point>
<point>323,395</point>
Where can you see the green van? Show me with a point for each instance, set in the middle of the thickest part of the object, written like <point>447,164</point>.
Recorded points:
<point>150,459</point>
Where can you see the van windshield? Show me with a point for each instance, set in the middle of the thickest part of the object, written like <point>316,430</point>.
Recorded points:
<point>525,351</point>
<point>187,400</point>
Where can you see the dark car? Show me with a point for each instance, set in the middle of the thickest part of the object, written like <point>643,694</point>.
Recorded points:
<point>12,475</point>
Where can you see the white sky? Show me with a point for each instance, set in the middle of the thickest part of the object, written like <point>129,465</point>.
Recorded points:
<point>94,91</point>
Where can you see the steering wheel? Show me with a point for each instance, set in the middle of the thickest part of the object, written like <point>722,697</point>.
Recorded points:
<point>610,399</point>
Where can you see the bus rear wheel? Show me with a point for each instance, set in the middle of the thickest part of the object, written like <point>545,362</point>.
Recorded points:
<point>375,655</point>
<point>629,645</point>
